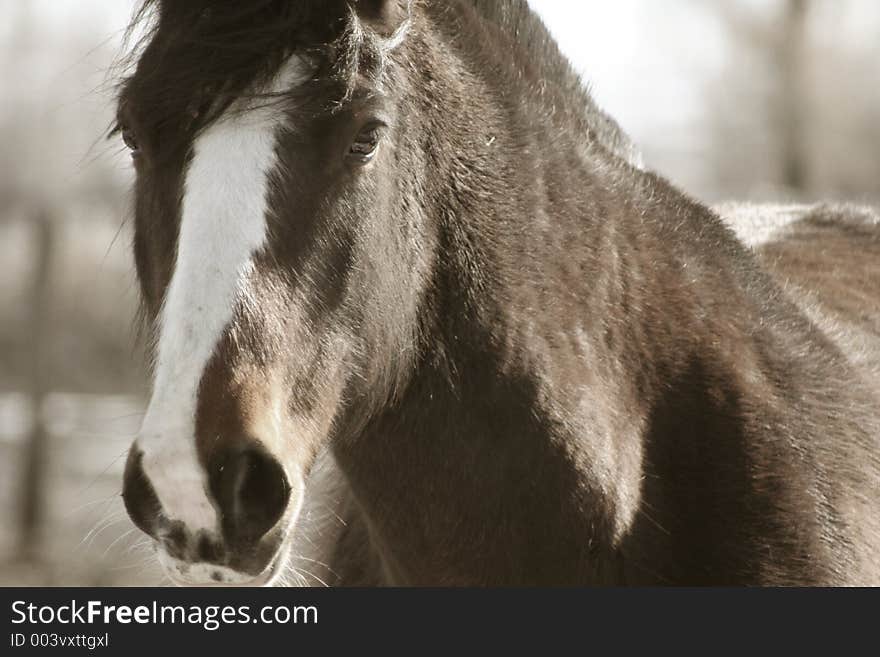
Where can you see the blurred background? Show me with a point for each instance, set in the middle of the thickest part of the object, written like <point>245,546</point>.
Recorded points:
<point>761,100</point>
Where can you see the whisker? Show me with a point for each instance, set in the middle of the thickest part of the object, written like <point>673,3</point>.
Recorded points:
<point>654,522</point>
<point>103,472</point>
<point>100,527</point>
<point>144,543</point>
<point>138,564</point>
<point>94,502</point>
<point>319,563</point>
<point>303,573</point>
<point>119,538</point>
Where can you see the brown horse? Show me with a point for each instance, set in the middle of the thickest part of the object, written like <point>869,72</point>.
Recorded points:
<point>421,317</point>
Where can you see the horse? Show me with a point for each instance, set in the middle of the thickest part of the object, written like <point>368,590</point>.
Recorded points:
<point>420,316</point>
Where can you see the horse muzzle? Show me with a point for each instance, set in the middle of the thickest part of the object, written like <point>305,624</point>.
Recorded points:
<point>253,502</point>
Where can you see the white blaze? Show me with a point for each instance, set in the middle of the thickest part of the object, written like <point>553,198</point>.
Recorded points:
<point>223,224</point>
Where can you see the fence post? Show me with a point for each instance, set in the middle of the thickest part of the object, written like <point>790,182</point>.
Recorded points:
<point>794,99</point>
<point>33,481</point>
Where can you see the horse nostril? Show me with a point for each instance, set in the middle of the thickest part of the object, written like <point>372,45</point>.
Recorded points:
<point>252,491</point>
<point>138,494</point>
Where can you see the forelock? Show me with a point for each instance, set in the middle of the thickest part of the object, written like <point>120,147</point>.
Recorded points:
<point>198,56</point>
<point>361,53</point>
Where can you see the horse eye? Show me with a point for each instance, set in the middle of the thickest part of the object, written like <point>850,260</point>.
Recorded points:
<point>366,144</point>
<point>129,140</point>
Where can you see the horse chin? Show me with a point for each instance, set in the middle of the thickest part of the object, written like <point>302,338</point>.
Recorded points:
<point>201,574</point>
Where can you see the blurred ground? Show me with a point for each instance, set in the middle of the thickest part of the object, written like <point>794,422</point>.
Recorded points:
<point>85,538</point>
<point>71,373</point>
<point>762,100</point>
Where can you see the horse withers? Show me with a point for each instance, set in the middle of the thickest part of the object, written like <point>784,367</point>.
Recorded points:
<point>420,317</point>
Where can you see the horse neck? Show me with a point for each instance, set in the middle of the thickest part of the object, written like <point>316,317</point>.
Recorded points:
<point>586,327</point>
<point>478,397</point>
<point>558,311</point>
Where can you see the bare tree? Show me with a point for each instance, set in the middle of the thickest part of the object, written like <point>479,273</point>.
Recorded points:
<point>765,99</point>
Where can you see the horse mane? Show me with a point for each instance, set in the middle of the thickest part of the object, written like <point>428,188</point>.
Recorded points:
<point>536,54</point>
<point>198,56</point>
